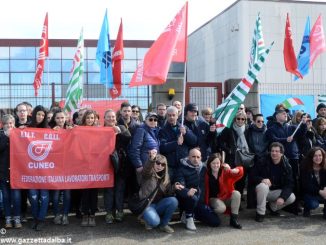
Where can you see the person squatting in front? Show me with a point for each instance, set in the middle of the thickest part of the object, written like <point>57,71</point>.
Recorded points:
<point>273,179</point>
<point>162,205</point>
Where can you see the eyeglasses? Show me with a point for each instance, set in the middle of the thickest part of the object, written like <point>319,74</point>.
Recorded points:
<point>163,164</point>
<point>240,119</point>
<point>260,121</point>
<point>134,111</point>
<point>308,121</point>
<point>208,114</point>
<point>152,119</point>
<point>22,111</point>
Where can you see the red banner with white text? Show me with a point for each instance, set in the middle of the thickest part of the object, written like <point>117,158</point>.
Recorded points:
<point>75,158</point>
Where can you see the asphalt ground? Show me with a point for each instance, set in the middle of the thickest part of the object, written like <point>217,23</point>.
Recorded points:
<point>286,229</point>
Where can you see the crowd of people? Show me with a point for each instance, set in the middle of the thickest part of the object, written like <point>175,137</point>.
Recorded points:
<point>178,160</point>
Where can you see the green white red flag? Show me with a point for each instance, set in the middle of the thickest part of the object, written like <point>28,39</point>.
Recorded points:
<point>226,111</point>
<point>74,95</point>
<point>290,102</point>
<point>170,46</point>
<point>257,44</point>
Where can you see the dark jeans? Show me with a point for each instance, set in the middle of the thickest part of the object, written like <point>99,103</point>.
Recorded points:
<point>160,213</point>
<point>39,200</point>
<point>113,196</point>
<point>66,201</point>
<point>312,202</point>
<point>206,214</point>
<point>89,201</point>
<point>10,197</point>
<point>76,200</point>
<point>202,212</point>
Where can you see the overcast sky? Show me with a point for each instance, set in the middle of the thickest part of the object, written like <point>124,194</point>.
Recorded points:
<point>142,19</point>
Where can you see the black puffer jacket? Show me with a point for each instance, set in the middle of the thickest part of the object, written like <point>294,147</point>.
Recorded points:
<point>257,140</point>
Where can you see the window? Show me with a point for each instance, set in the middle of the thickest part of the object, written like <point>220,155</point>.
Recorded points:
<point>92,66</point>
<point>4,65</point>
<point>4,52</point>
<point>129,66</point>
<point>130,53</point>
<point>22,65</point>
<point>27,78</point>
<point>68,53</point>
<point>54,53</point>
<point>52,78</point>
<point>54,65</point>
<point>22,53</point>
<point>141,53</point>
<point>4,78</point>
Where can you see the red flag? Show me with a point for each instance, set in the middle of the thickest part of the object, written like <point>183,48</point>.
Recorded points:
<point>290,60</point>
<point>170,46</point>
<point>43,53</point>
<point>317,40</point>
<point>117,56</point>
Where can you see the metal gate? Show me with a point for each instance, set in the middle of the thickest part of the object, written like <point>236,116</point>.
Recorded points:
<point>204,94</point>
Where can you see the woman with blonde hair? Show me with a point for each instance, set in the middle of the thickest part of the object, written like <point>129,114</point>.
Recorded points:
<point>155,179</point>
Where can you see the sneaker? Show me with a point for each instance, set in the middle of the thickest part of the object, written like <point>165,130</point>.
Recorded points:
<point>119,216</point>
<point>23,218</point>
<point>91,221</point>
<point>306,213</point>
<point>190,224</point>
<point>167,229</point>
<point>57,220</point>
<point>148,227</point>
<point>259,217</point>
<point>8,223</point>
<point>40,226</point>
<point>65,220</point>
<point>183,218</point>
<point>17,223</point>
<point>109,218</point>
<point>271,211</point>
<point>85,220</point>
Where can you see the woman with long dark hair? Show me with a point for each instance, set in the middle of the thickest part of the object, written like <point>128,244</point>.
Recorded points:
<point>313,180</point>
<point>39,199</point>
<point>219,188</point>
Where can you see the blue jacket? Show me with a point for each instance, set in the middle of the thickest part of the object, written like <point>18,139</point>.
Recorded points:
<point>279,133</point>
<point>144,140</point>
<point>191,177</point>
<point>169,144</point>
<point>204,136</point>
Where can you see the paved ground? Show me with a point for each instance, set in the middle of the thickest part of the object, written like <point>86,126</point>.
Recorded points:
<point>287,229</point>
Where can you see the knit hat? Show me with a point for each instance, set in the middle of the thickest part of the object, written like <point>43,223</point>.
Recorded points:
<point>191,107</point>
<point>320,106</point>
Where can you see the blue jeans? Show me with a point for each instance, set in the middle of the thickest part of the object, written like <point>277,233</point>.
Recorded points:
<point>187,203</point>
<point>10,197</point>
<point>66,201</point>
<point>39,200</point>
<point>160,213</point>
<point>312,202</point>
<point>113,196</point>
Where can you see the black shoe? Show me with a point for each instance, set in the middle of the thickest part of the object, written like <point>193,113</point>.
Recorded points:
<point>34,224</point>
<point>39,226</point>
<point>272,212</point>
<point>259,217</point>
<point>234,221</point>
<point>306,213</point>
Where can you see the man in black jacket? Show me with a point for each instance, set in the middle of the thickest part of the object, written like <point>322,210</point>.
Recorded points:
<point>273,180</point>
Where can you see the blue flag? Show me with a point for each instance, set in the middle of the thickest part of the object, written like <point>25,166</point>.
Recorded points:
<point>304,56</point>
<point>103,54</point>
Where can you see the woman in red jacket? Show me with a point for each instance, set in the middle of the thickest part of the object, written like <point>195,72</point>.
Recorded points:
<point>219,187</point>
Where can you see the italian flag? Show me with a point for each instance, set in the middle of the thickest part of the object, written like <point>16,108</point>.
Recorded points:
<point>290,102</point>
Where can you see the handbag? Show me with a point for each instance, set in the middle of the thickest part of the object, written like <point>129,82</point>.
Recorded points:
<point>244,158</point>
<point>137,205</point>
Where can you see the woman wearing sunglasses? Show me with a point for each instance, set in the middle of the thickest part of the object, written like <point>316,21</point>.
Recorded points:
<point>155,179</point>
<point>144,141</point>
<point>136,114</point>
<point>230,140</point>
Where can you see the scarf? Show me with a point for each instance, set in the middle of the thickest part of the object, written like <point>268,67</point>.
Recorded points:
<point>241,141</point>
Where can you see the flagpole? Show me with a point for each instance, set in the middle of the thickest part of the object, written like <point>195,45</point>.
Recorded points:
<point>48,78</point>
<point>184,94</point>
<point>123,79</point>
